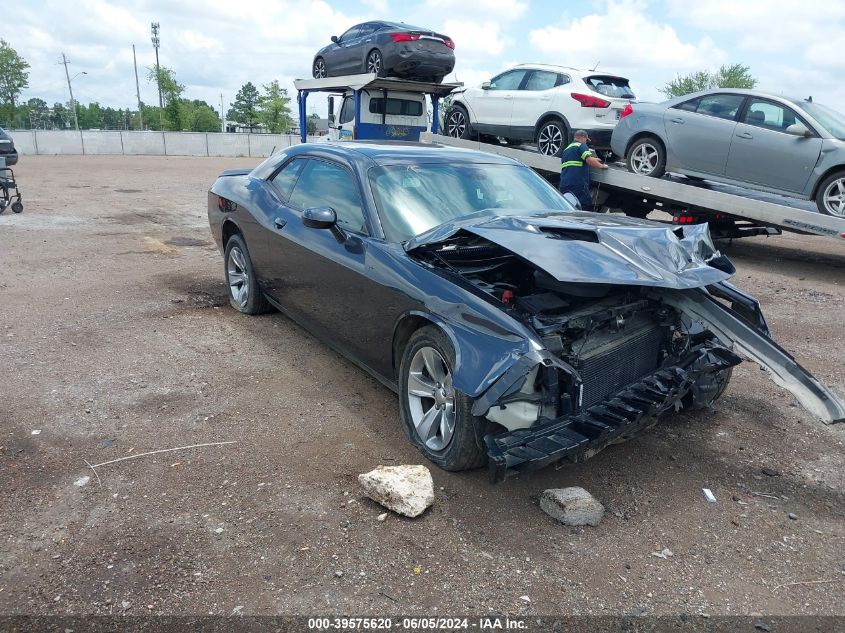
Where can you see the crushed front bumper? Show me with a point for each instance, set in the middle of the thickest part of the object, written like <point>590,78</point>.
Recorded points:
<point>577,437</point>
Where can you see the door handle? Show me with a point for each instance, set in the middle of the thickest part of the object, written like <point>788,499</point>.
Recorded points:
<point>744,135</point>
<point>279,223</point>
<point>677,120</point>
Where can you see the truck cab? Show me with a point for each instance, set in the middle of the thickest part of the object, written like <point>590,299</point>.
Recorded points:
<point>374,108</point>
<point>384,115</point>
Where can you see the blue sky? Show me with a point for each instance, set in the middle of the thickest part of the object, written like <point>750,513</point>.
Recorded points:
<point>217,45</point>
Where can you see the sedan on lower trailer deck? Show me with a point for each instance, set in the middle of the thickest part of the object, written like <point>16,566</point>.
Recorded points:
<point>517,330</point>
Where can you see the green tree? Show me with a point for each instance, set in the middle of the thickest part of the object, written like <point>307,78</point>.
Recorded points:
<point>171,92</point>
<point>60,116</point>
<point>733,76</point>
<point>38,112</point>
<point>198,116</point>
<point>14,77</point>
<point>245,108</point>
<point>274,110</point>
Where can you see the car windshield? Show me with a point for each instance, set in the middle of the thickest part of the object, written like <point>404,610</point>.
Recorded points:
<point>610,86</point>
<point>412,199</point>
<point>833,121</point>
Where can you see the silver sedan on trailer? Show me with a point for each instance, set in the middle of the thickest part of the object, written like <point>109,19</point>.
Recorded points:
<point>792,147</point>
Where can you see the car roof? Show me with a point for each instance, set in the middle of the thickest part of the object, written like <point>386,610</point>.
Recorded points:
<point>554,68</point>
<point>403,152</point>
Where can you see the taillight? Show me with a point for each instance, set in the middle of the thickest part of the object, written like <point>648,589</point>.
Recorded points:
<point>448,42</point>
<point>628,109</point>
<point>589,101</point>
<point>405,37</point>
<point>221,203</point>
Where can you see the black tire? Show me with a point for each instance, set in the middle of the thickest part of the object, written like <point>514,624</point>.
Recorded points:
<point>17,207</point>
<point>552,137</point>
<point>835,182</point>
<point>466,449</point>
<point>375,63</point>
<point>646,157</point>
<point>4,197</point>
<point>254,302</point>
<point>457,124</point>
<point>319,70</point>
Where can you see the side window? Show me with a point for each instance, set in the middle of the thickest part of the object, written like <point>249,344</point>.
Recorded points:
<point>541,80</point>
<point>720,106</point>
<point>347,110</point>
<point>284,180</point>
<point>398,107</point>
<point>688,106</point>
<point>323,184</point>
<point>562,80</point>
<point>351,34</point>
<point>508,81</point>
<point>367,29</point>
<point>770,115</point>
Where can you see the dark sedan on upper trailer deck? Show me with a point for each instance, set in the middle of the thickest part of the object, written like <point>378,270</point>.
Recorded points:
<point>388,49</point>
<point>515,328</point>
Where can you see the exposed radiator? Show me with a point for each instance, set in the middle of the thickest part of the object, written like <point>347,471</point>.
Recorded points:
<point>610,362</point>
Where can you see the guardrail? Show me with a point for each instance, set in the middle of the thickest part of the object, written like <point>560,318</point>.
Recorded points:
<point>98,142</point>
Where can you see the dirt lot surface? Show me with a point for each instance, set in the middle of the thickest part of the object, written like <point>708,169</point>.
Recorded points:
<point>116,338</point>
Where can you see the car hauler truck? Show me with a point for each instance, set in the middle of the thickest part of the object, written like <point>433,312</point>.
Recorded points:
<point>376,108</point>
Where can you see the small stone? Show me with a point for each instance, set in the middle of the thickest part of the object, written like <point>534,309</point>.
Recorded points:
<point>525,599</point>
<point>219,530</point>
<point>57,598</point>
<point>664,553</point>
<point>339,574</point>
<point>793,516</point>
<point>735,497</point>
<point>125,605</point>
<point>770,472</point>
<point>572,506</point>
<point>82,481</point>
<point>407,490</point>
<point>382,517</point>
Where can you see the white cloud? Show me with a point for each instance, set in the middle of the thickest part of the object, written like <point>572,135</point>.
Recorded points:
<point>489,9</point>
<point>623,37</point>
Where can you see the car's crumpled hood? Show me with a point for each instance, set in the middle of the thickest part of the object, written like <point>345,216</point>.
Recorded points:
<point>582,247</point>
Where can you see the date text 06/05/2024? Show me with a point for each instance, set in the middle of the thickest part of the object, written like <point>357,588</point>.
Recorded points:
<point>416,624</point>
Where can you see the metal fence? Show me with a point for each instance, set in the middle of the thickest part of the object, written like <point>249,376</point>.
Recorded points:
<point>53,142</point>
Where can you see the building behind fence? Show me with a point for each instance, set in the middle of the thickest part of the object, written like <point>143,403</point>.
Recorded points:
<point>53,142</point>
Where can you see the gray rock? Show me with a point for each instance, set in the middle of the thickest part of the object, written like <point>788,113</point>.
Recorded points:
<point>406,490</point>
<point>572,506</point>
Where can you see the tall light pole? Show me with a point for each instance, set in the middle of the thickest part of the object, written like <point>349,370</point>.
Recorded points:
<point>138,91</point>
<point>154,27</point>
<point>65,62</point>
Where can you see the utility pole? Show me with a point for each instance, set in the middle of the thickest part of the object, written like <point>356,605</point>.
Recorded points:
<point>138,90</point>
<point>222,115</point>
<point>70,90</point>
<point>154,26</point>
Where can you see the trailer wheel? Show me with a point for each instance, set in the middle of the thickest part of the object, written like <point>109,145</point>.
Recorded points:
<point>647,157</point>
<point>830,198</point>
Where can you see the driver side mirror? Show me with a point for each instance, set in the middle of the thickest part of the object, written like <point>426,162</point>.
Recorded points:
<point>323,218</point>
<point>572,199</point>
<point>485,85</point>
<point>335,39</point>
<point>798,129</point>
<point>331,111</point>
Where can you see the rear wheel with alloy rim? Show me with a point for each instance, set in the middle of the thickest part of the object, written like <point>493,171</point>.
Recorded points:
<point>647,157</point>
<point>437,418</point>
<point>457,123</point>
<point>244,292</point>
<point>552,137</point>
<point>831,196</point>
<point>375,62</point>
<point>319,70</point>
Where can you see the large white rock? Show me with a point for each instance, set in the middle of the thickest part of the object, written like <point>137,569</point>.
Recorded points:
<point>572,506</point>
<point>407,490</point>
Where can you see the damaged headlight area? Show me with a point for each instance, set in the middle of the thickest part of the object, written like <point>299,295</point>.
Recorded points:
<point>611,365</point>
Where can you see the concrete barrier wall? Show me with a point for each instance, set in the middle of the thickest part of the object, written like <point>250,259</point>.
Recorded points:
<point>52,142</point>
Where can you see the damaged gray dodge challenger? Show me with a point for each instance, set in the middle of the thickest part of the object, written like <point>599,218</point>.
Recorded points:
<point>518,331</point>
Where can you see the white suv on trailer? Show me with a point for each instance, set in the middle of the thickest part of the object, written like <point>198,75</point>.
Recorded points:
<point>541,104</point>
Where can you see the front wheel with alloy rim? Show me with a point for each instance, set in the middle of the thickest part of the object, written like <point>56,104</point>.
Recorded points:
<point>437,418</point>
<point>830,198</point>
<point>319,70</point>
<point>457,123</point>
<point>375,63</point>
<point>244,293</point>
<point>647,157</point>
<point>552,137</point>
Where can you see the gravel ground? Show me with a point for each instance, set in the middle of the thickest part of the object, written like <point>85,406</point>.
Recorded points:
<point>116,339</point>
